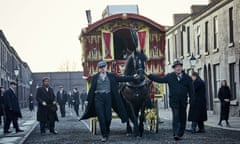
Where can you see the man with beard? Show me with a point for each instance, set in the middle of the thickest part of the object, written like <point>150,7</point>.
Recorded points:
<point>47,109</point>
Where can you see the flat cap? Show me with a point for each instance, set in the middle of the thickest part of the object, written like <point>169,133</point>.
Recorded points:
<point>101,64</point>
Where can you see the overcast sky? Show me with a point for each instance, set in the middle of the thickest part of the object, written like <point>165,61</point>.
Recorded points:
<point>45,32</point>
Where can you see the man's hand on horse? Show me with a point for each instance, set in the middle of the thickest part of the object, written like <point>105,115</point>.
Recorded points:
<point>136,76</point>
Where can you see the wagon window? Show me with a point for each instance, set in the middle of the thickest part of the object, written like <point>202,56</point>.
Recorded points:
<point>123,45</point>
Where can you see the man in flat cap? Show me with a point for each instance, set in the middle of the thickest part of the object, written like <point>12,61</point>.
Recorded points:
<point>12,109</point>
<point>103,95</point>
<point>180,87</point>
<point>47,108</point>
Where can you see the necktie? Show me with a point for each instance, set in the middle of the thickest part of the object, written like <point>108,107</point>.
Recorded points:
<point>179,77</point>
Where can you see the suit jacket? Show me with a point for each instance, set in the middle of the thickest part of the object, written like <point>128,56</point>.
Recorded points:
<point>62,100</point>
<point>45,113</point>
<point>11,103</point>
<point>75,96</point>
<point>117,103</point>
<point>178,90</point>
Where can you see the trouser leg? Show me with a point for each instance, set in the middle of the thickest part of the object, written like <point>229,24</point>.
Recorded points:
<point>7,123</point>
<point>82,106</point>
<point>194,125</point>
<point>76,108</point>
<point>176,121</point>
<point>100,106</point>
<point>108,112</point>
<point>62,110</point>
<point>15,123</point>
<point>183,115</point>
<point>42,127</point>
<point>201,125</point>
<point>51,125</point>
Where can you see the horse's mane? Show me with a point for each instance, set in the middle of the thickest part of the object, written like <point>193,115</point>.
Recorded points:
<point>129,66</point>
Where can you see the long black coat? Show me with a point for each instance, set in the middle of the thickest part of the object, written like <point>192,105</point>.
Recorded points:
<point>1,104</point>
<point>198,110</point>
<point>178,90</point>
<point>117,103</point>
<point>11,104</point>
<point>45,113</point>
<point>76,98</point>
<point>224,93</point>
<point>62,100</point>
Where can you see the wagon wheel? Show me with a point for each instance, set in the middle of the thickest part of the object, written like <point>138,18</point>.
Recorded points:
<point>157,118</point>
<point>93,126</point>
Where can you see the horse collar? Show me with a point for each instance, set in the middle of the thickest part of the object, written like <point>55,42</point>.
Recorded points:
<point>131,84</point>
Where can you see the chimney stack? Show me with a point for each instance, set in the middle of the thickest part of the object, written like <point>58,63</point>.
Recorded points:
<point>89,17</point>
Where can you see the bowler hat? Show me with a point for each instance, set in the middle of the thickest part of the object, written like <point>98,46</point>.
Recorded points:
<point>101,64</point>
<point>175,63</point>
<point>13,82</point>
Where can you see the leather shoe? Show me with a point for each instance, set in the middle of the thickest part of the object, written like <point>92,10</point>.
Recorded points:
<point>177,137</point>
<point>54,132</point>
<point>104,139</point>
<point>7,132</point>
<point>43,133</point>
<point>201,131</point>
<point>19,130</point>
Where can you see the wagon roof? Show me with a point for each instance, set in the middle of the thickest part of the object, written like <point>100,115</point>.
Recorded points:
<point>138,17</point>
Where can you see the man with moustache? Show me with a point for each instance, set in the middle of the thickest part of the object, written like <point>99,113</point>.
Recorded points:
<point>180,87</point>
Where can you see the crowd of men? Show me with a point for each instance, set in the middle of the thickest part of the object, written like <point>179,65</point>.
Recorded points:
<point>183,90</point>
<point>47,102</point>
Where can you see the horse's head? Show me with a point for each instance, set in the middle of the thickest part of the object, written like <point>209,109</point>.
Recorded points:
<point>140,60</point>
<point>136,64</point>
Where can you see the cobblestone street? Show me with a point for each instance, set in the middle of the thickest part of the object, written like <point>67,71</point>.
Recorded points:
<point>72,131</point>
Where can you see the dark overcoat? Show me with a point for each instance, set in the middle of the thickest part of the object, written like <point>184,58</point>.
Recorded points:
<point>83,96</point>
<point>224,93</point>
<point>178,90</point>
<point>62,100</point>
<point>117,103</point>
<point>198,110</point>
<point>11,104</point>
<point>76,98</point>
<point>1,104</point>
<point>45,113</point>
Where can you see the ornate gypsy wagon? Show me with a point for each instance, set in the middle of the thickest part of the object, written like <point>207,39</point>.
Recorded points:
<point>110,39</point>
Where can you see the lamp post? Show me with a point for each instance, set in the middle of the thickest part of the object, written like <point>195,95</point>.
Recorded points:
<point>192,61</point>
<point>30,84</point>
<point>16,72</point>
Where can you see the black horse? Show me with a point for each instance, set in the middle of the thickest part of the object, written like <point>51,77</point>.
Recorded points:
<point>136,93</point>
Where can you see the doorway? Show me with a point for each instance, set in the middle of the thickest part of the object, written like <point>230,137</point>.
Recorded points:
<point>123,44</point>
<point>210,94</point>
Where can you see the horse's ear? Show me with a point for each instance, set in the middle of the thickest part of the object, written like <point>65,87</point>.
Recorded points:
<point>134,38</point>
